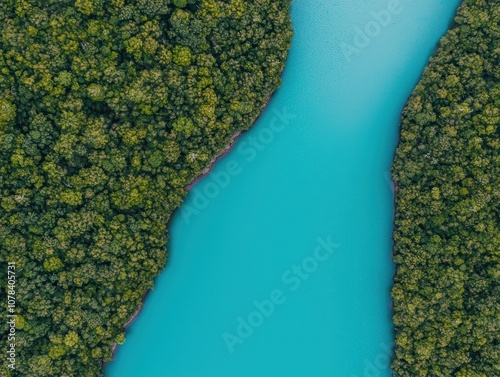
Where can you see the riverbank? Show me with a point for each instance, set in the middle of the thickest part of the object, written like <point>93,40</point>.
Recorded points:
<point>189,187</point>
<point>214,160</point>
<point>126,326</point>
<point>226,150</point>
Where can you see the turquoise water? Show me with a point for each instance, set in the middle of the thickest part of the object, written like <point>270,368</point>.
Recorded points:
<point>280,260</point>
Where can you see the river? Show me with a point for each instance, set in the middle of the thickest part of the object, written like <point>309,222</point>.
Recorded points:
<point>280,259</point>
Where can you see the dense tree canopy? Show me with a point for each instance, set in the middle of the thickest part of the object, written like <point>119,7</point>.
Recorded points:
<point>447,238</point>
<point>108,109</point>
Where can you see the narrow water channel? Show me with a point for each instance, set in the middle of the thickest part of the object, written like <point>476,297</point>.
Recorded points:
<point>280,260</point>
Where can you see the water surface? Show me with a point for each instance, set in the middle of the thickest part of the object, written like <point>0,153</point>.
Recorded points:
<point>316,165</point>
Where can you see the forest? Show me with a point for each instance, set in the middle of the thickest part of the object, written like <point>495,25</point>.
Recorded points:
<point>108,109</point>
<point>446,291</point>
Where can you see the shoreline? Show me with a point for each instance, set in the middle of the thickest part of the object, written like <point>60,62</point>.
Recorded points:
<point>228,148</point>
<point>223,153</point>
<point>126,326</point>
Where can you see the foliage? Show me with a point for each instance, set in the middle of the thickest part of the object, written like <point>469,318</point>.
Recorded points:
<point>447,239</point>
<point>108,109</point>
